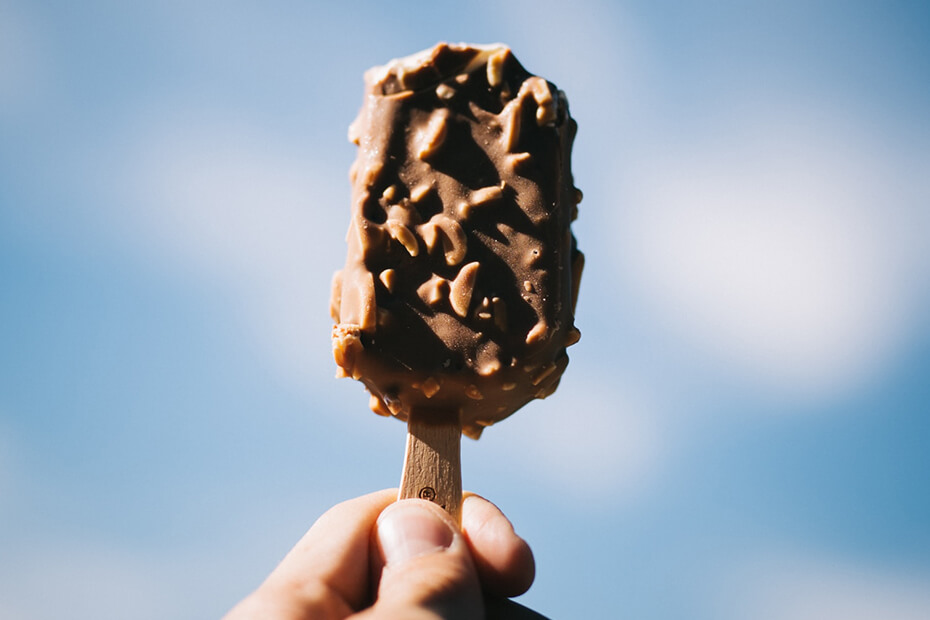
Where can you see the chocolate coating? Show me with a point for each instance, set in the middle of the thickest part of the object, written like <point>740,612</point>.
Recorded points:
<point>458,293</point>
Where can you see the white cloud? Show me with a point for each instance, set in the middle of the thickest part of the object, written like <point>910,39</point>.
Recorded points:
<point>69,578</point>
<point>783,250</point>
<point>77,582</point>
<point>238,207</point>
<point>596,439</point>
<point>802,587</point>
<point>199,560</point>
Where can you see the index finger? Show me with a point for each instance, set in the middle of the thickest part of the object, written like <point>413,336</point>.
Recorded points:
<point>504,560</point>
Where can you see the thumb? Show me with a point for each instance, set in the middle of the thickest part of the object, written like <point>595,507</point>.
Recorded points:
<point>427,569</point>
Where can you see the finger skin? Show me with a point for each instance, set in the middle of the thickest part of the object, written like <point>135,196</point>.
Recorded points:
<point>440,580</point>
<point>326,575</point>
<point>335,568</point>
<point>504,560</point>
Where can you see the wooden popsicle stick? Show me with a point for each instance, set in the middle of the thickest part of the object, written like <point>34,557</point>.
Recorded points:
<point>432,465</point>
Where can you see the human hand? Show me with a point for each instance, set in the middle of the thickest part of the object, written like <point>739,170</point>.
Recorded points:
<point>372,558</point>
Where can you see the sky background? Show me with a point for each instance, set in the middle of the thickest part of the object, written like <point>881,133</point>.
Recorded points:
<point>743,431</point>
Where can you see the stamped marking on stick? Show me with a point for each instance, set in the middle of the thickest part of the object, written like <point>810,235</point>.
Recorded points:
<point>432,466</point>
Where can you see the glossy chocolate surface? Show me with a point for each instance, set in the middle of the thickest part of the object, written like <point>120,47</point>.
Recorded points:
<point>458,293</point>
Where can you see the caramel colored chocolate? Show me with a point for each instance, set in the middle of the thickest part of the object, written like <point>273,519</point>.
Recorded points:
<point>458,293</point>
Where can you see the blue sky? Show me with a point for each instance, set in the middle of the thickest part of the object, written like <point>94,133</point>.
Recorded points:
<point>743,431</point>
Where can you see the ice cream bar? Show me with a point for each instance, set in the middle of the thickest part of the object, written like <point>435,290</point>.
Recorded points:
<point>456,302</point>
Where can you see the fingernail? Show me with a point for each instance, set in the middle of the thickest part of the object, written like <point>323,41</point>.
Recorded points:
<point>408,529</point>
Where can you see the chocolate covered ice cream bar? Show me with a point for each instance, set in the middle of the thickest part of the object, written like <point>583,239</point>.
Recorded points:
<point>456,302</point>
